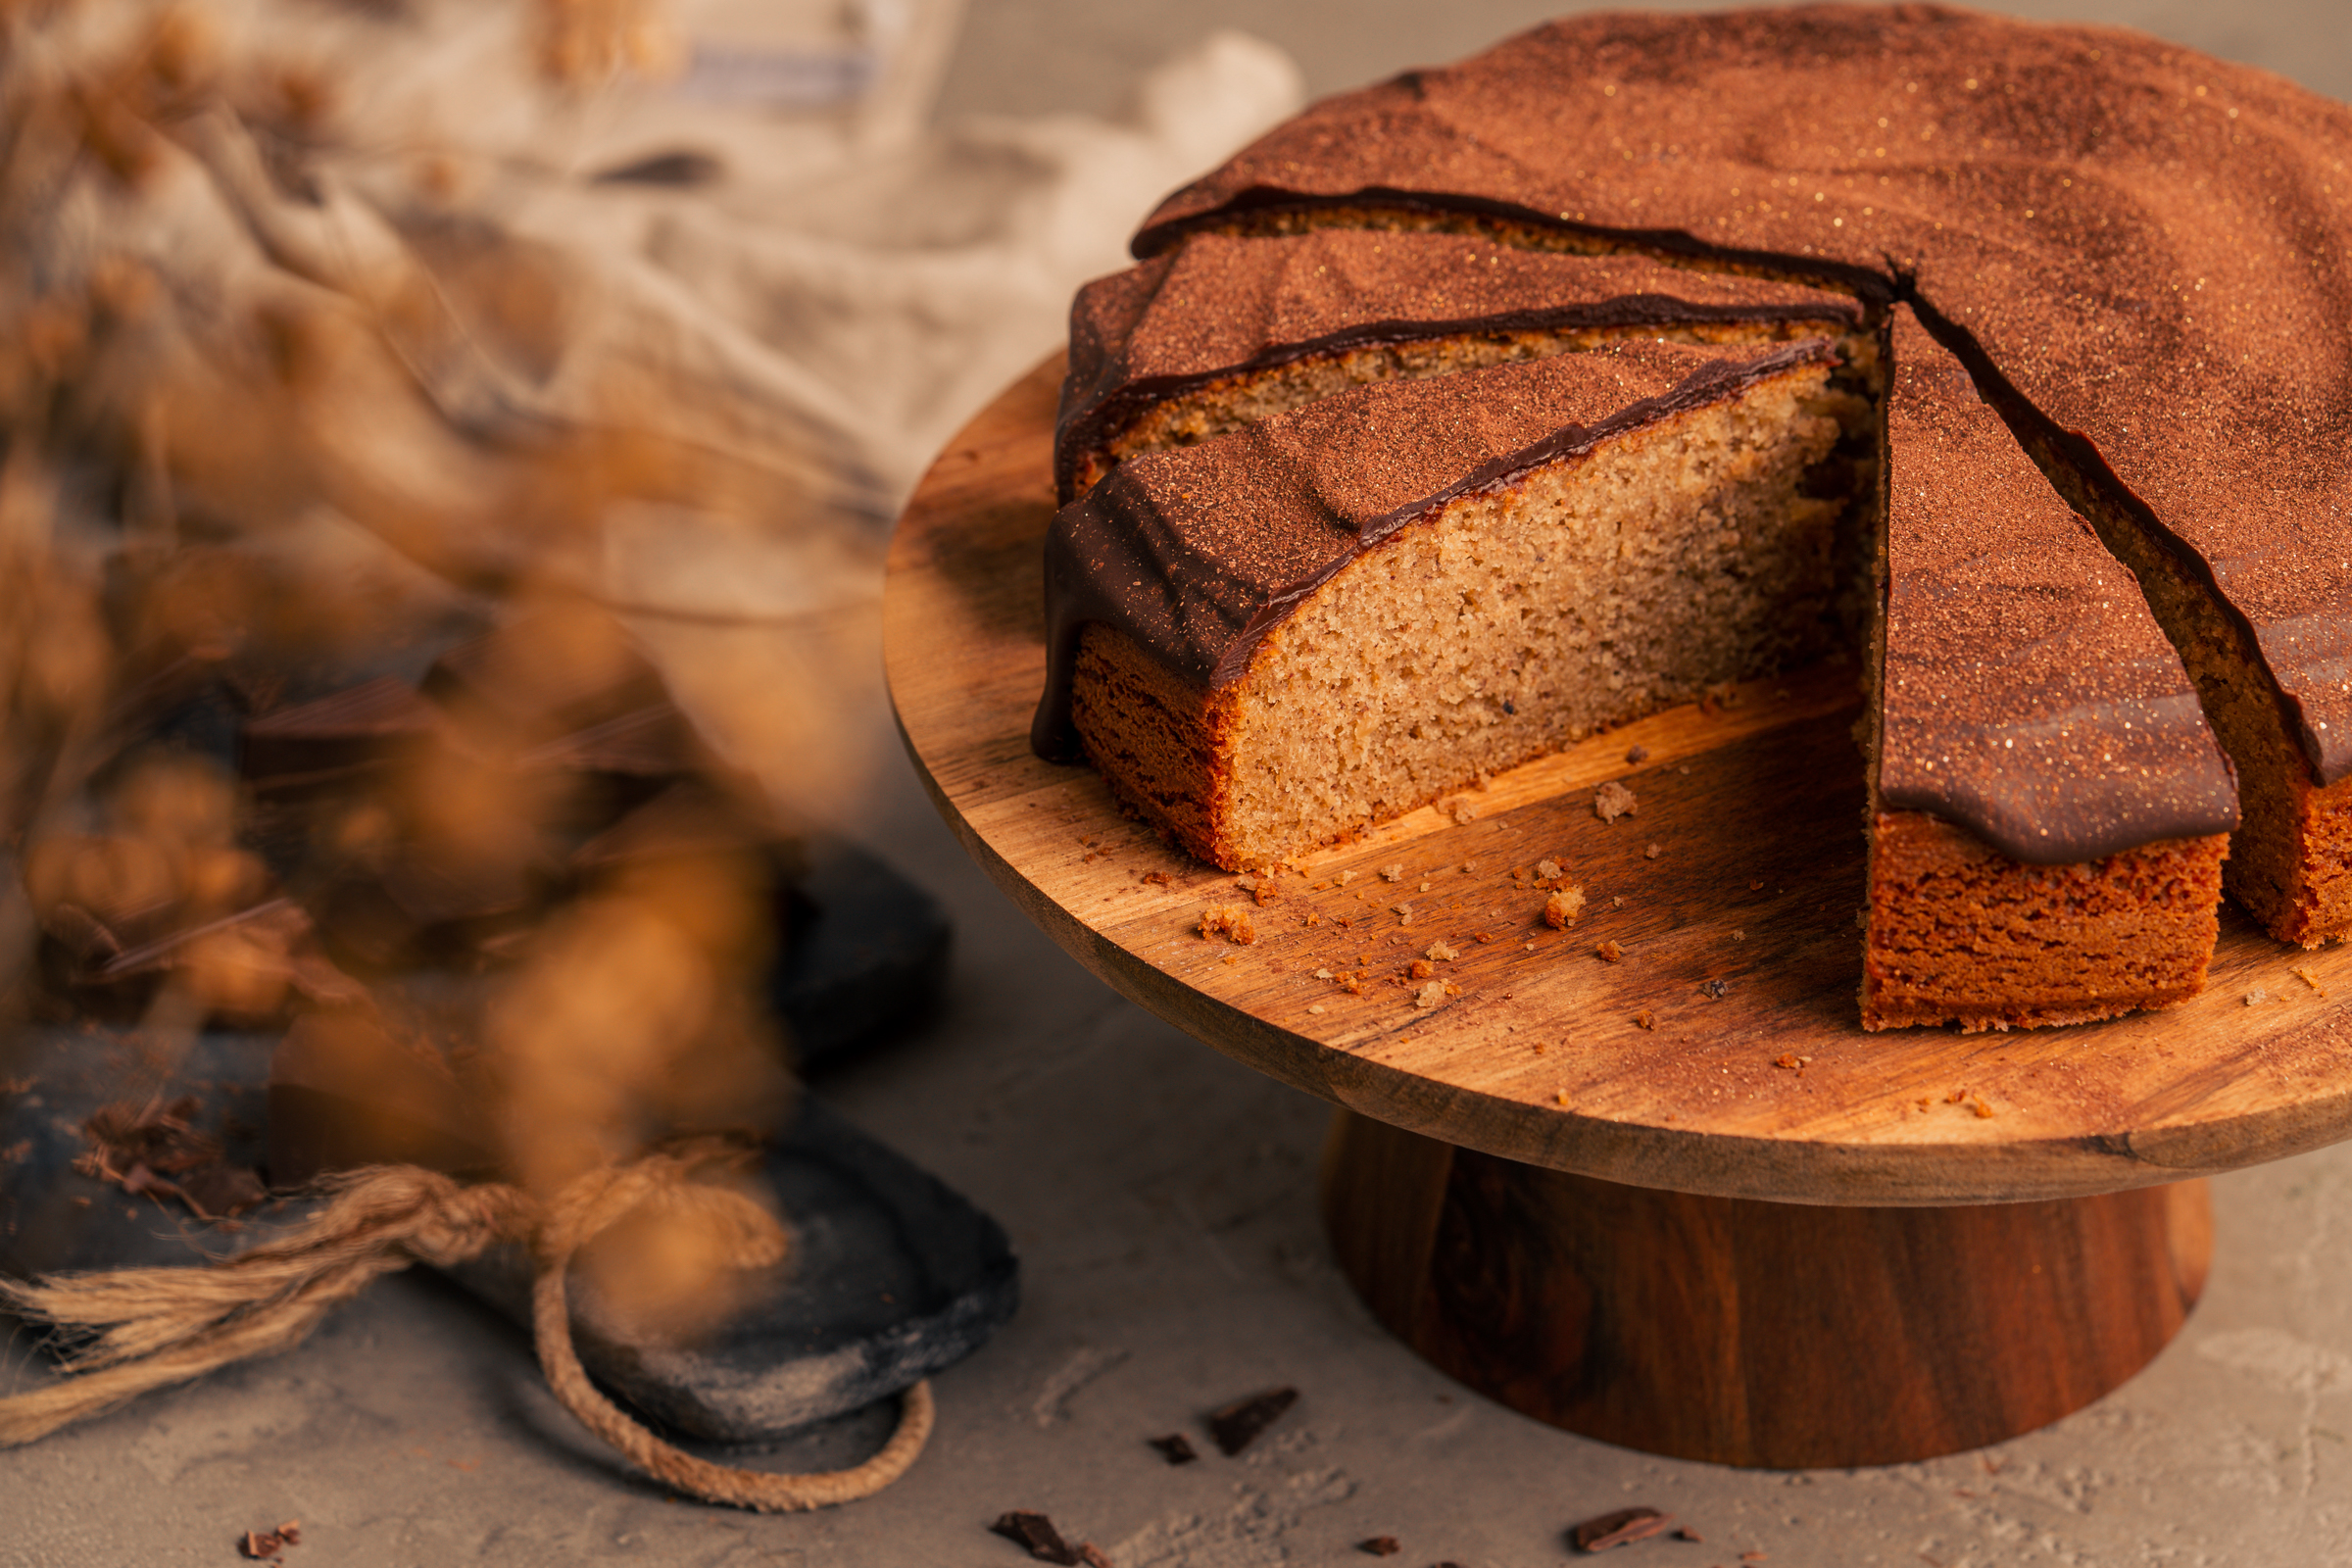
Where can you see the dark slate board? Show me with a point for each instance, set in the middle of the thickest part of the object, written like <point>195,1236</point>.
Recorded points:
<point>891,1275</point>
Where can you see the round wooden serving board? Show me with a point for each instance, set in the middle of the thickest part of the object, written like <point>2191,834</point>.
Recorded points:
<point>1754,809</point>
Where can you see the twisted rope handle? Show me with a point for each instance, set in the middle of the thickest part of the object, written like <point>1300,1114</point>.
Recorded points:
<point>155,1327</point>
<point>580,1213</point>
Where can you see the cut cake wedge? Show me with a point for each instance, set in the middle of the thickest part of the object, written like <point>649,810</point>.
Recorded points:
<point>1273,639</point>
<point>2049,811</point>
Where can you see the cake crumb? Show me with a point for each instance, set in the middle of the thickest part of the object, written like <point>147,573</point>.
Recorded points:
<point>1470,867</point>
<point>1614,801</point>
<point>1645,1019</point>
<point>1324,974</point>
<point>1430,995</point>
<point>1637,754</point>
<point>2309,979</point>
<point>1231,921</point>
<point>1739,936</point>
<point>1426,886</point>
<point>1652,852</point>
<point>1715,990</point>
<point>1531,947</point>
<point>1442,952</point>
<point>1156,879</point>
<point>1464,813</point>
<point>1347,877</point>
<point>1787,1058</point>
<point>1617,903</point>
<point>1420,969</point>
<point>1314,1006</point>
<point>1982,1111</point>
<point>1267,892</point>
<point>1393,873</point>
<point>1564,904</point>
<point>1379,1546</point>
<point>1560,1097</point>
<point>1405,914</point>
<point>1607,951</point>
<point>1549,871</point>
<point>2256,997</point>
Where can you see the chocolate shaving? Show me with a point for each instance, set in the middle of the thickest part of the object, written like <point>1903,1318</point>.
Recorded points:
<point>1035,1534</point>
<point>1379,1546</point>
<point>266,1544</point>
<point>1239,1424</point>
<point>1618,1529</point>
<point>1175,1447</point>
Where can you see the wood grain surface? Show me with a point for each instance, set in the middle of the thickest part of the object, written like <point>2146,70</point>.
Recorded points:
<point>1790,1336</point>
<point>1737,937</point>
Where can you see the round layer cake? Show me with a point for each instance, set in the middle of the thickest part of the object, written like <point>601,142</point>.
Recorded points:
<point>2129,255</point>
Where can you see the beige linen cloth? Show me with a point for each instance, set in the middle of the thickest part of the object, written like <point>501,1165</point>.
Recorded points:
<point>666,303</point>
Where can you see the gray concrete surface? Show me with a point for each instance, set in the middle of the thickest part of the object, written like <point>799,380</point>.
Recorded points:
<point>1162,1200</point>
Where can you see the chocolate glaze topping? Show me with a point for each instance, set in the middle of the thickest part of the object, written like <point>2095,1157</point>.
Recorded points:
<point>1219,306</point>
<point>1197,553</point>
<point>2028,692</point>
<point>2149,244</point>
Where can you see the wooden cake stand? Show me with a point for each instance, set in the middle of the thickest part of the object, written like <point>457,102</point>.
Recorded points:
<point>1673,1197</point>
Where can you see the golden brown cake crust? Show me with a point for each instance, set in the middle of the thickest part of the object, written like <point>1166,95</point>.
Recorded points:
<point>1961,933</point>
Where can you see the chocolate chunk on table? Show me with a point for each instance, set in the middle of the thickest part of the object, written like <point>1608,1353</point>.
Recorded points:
<point>1239,1424</point>
<point>1035,1534</point>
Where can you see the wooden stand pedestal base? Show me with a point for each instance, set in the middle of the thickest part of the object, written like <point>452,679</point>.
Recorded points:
<point>1787,1336</point>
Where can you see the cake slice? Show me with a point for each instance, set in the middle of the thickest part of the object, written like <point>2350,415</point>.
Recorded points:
<point>1223,331</point>
<point>2234,524</point>
<point>2049,811</point>
<point>1342,611</point>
